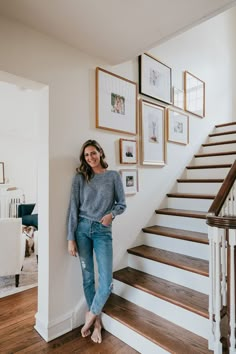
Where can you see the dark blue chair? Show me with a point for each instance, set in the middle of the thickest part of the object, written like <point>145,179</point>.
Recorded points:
<point>25,212</point>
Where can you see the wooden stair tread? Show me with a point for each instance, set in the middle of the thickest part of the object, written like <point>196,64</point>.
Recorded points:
<point>222,133</point>
<point>190,196</point>
<point>200,180</point>
<point>194,236</point>
<point>220,143</point>
<point>158,330</point>
<point>178,260</point>
<point>225,124</point>
<point>227,165</point>
<point>216,154</point>
<point>184,297</point>
<point>181,212</point>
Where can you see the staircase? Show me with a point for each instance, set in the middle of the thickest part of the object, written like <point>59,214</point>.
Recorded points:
<point>160,301</point>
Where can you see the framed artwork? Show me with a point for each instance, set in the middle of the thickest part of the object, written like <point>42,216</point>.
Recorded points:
<point>177,127</point>
<point>155,78</point>
<point>178,98</point>
<point>194,90</point>
<point>128,151</point>
<point>2,176</point>
<point>153,145</point>
<point>130,181</point>
<point>116,103</point>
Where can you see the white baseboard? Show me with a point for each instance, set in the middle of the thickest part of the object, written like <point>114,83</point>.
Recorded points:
<point>53,329</point>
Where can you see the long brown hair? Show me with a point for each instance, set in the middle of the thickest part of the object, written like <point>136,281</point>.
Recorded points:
<point>84,168</point>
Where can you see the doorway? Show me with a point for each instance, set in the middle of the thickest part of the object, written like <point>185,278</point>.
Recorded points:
<point>24,152</point>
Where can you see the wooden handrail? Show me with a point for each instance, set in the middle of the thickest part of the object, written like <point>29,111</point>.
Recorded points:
<point>226,222</point>
<point>223,193</point>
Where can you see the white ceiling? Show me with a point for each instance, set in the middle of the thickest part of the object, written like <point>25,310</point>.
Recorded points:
<point>113,30</point>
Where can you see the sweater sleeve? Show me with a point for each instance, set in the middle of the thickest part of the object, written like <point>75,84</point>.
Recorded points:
<point>120,204</point>
<point>72,215</point>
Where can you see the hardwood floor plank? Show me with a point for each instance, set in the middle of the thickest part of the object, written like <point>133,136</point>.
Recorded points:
<point>17,333</point>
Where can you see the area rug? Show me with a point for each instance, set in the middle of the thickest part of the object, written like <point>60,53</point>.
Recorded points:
<point>28,278</point>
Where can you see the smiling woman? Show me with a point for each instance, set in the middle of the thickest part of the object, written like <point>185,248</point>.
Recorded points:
<point>97,197</point>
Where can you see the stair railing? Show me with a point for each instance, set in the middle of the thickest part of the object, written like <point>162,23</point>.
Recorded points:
<point>221,220</point>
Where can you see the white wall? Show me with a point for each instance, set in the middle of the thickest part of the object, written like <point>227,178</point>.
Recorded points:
<point>19,113</point>
<point>70,76</point>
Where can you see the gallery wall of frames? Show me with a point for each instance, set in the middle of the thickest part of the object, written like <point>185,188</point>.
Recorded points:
<point>152,112</point>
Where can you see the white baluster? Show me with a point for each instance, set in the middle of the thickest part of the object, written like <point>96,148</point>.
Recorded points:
<point>234,201</point>
<point>217,241</point>
<point>211,339</point>
<point>232,243</point>
<point>223,267</point>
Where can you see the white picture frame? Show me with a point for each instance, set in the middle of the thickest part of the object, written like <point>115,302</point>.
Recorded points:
<point>130,181</point>
<point>177,126</point>
<point>153,143</point>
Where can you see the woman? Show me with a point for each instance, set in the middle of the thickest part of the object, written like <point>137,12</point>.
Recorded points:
<point>97,197</point>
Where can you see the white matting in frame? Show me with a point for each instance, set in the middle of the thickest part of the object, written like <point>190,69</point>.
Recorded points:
<point>116,103</point>
<point>152,133</point>
<point>178,127</point>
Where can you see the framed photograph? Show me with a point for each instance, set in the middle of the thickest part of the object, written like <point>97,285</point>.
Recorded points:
<point>116,103</point>
<point>155,78</point>
<point>2,175</point>
<point>178,98</point>
<point>128,151</point>
<point>130,181</point>
<point>177,127</point>
<point>194,90</point>
<point>153,146</point>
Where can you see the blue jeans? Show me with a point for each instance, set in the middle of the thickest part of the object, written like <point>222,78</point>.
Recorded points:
<point>93,236</point>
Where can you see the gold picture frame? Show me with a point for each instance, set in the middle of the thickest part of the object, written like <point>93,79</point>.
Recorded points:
<point>2,174</point>
<point>194,93</point>
<point>128,151</point>
<point>116,103</point>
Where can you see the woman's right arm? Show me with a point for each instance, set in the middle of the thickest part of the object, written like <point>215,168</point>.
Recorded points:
<point>73,210</point>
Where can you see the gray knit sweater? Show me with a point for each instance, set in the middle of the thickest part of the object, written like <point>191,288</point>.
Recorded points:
<point>103,194</point>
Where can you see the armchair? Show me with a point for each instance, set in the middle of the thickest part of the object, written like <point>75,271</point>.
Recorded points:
<point>25,212</point>
<point>12,248</point>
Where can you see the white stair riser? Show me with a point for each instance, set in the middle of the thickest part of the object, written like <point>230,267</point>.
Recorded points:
<point>218,148</point>
<point>176,275</point>
<point>207,173</point>
<point>200,188</point>
<point>180,222</point>
<point>214,160</point>
<point>173,313</point>
<point>220,138</point>
<point>189,203</point>
<point>227,128</point>
<point>130,337</point>
<point>188,248</point>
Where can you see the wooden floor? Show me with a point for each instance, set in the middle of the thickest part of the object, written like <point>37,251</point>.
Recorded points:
<point>17,333</point>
